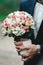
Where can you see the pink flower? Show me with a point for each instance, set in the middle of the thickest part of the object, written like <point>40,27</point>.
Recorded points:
<point>7,25</point>
<point>25,27</point>
<point>18,24</point>
<point>22,18</point>
<point>15,25</point>
<point>27,18</point>
<point>13,17</point>
<point>27,30</point>
<point>22,12</point>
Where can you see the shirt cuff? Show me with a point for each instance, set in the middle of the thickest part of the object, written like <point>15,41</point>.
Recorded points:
<point>38,48</point>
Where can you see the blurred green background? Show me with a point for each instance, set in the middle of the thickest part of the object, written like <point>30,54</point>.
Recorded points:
<point>8,6</point>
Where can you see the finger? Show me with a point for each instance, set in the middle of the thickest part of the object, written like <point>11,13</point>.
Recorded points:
<point>27,47</point>
<point>21,47</point>
<point>24,47</point>
<point>29,51</point>
<point>17,47</point>
<point>27,58</point>
<point>26,55</point>
<point>19,44</point>
<point>24,59</point>
<point>18,50</point>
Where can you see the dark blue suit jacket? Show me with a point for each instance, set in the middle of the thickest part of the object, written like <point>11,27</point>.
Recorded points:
<point>28,6</point>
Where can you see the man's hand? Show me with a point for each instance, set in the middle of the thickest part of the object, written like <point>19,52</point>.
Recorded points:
<point>31,51</point>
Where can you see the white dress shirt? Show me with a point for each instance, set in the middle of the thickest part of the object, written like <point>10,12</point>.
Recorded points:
<point>38,17</point>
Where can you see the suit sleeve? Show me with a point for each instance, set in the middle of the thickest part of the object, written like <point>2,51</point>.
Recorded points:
<point>41,50</point>
<point>21,8</point>
<point>22,5</point>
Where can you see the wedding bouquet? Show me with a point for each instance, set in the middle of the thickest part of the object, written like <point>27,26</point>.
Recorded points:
<point>18,24</point>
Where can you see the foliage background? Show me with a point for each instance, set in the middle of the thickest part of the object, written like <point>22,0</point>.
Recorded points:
<point>8,6</point>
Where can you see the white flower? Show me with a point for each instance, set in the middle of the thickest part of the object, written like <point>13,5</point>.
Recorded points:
<point>22,22</point>
<point>8,21</point>
<point>13,22</point>
<point>17,20</point>
<point>15,32</point>
<point>4,31</point>
<point>17,28</point>
<point>10,14</point>
<point>16,13</point>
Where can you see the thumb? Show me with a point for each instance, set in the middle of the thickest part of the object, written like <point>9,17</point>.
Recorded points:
<point>24,47</point>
